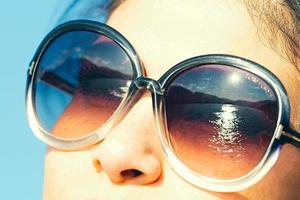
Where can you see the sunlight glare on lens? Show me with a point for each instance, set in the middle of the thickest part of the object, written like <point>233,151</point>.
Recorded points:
<point>121,91</point>
<point>227,138</point>
<point>235,78</point>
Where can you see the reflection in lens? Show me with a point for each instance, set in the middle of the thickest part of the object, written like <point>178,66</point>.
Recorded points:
<point>220,119</point>
<point>80,81</point>
<point>227,138</point>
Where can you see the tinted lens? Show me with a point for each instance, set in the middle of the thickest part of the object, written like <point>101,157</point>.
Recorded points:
<point>80,81</point>
<point>220,119</point>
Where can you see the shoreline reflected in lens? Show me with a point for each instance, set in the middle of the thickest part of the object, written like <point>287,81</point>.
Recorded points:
<point>81,79</point>
<point>220,120</point>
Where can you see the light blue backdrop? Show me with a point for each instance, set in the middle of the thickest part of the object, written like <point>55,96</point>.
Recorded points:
<point>23,24</point>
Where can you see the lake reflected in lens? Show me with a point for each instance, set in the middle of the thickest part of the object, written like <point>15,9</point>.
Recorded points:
<point>220,119</point>
<point>227,139</point>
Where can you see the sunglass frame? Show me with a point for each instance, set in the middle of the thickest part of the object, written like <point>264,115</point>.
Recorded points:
<point>283,133</point>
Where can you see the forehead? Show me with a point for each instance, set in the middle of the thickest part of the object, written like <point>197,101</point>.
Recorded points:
<point>167,32</point>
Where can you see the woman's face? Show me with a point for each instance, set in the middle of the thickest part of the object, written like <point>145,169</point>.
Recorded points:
<point>165,33</point>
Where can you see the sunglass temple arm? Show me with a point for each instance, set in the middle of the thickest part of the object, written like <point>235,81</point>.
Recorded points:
<point>290,136</point>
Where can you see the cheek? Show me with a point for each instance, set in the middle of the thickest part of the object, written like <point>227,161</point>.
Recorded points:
<point>83,116</point>
<point>71,175</point>
<point>283,181</point>
<point>67,172</point>
<point>290,78</point>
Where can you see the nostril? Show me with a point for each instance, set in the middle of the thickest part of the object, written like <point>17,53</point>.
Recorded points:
<point>130,173</point>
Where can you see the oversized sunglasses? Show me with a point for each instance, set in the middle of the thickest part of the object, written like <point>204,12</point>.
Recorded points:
<point>221,119</point>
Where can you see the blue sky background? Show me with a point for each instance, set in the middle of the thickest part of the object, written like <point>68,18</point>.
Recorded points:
<point>23,26</point>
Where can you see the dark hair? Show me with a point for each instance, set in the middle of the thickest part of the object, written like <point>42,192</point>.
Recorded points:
<point>277,20</point>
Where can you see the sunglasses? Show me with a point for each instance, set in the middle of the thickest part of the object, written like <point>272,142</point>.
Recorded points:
<point>221,119</point>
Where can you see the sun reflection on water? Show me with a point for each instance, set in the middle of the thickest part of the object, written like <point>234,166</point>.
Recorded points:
<point>227,139</point>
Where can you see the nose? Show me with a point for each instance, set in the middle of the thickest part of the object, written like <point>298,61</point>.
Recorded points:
<point>129,153</point>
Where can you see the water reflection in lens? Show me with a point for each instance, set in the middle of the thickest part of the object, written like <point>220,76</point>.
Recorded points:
<point>220,119</point>
<point>81,79</point>
<point>227,139</point>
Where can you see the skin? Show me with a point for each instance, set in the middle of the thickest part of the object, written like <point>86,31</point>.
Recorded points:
<point>163,38</point>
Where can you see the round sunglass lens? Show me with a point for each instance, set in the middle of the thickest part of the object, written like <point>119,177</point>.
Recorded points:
<point>80,81</point>
<point>220,119</point>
